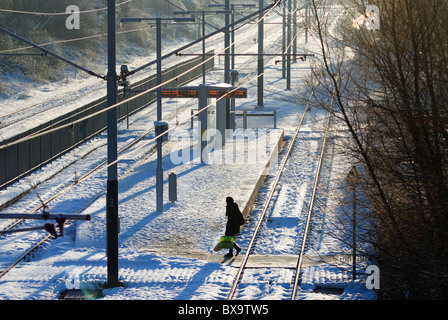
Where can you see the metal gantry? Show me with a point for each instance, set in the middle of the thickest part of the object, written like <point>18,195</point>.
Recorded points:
<point>203,13</point>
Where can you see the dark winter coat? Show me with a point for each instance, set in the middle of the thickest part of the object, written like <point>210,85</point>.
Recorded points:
<point>234,219</point>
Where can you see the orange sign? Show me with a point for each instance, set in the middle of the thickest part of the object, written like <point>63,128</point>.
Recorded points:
<point>194,93</point>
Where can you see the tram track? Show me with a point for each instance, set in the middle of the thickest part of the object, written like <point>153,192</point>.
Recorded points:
<point>44,203</point>
<point>263,217</point>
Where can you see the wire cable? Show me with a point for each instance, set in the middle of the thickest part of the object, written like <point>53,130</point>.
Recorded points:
<point>71,40</point>
<point>58,13</point>
<point>51,53</point>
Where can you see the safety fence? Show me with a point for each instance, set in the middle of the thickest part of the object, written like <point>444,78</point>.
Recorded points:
<point>256,118</point>
<point>20,159</point>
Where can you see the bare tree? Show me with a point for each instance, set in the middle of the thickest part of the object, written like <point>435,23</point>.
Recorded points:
<point>391,94</point>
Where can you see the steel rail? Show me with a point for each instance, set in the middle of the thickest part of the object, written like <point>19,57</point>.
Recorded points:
<point>92,171</point>
<point>310,210</point>
<point>269,198</point>
<point>24,255</point>
<point>49,236</point>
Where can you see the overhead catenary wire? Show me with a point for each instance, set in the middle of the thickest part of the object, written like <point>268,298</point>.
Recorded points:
<point>144,92</point>
<point>47,52</point>
<point>206,37</point>
<point>70,40</point>
<point>176,6</point>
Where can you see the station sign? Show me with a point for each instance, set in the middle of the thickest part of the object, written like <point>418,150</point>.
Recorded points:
<point>213,92</point>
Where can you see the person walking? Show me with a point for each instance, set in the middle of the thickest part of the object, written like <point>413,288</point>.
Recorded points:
<point>234,221</point>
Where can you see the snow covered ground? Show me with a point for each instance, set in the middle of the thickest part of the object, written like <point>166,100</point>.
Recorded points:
<point>168,256</point>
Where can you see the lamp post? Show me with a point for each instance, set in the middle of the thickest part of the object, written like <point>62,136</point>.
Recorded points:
<point>159,170</point>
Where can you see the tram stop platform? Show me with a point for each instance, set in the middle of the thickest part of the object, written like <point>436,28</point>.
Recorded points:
<point>238,169</point>
<point>196,220</point>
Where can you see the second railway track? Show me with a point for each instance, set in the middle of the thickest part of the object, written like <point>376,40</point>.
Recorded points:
<point>33,239</point>
<point>271,236</point>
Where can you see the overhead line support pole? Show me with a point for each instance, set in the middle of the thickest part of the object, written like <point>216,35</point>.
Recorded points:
<point>158,124</point>
<point>288,60</point>
<point>203,13</point>
<point>203,47</point>
<point>227,44</point>
<point>284,43</point>
<point>260,56</point>
<point>294,31</point>
<point>112,176</point>
<point>227,60</point>
<point>159,170</point>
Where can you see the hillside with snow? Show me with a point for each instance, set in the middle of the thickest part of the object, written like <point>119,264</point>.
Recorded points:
<point>86,46</point>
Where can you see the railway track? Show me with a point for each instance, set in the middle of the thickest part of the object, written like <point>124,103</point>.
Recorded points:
<point>49,105</point>
<point>255,246</point>
<point>37,242</point>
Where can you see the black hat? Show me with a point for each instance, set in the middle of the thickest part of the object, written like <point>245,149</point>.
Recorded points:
<point>229,200</point>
